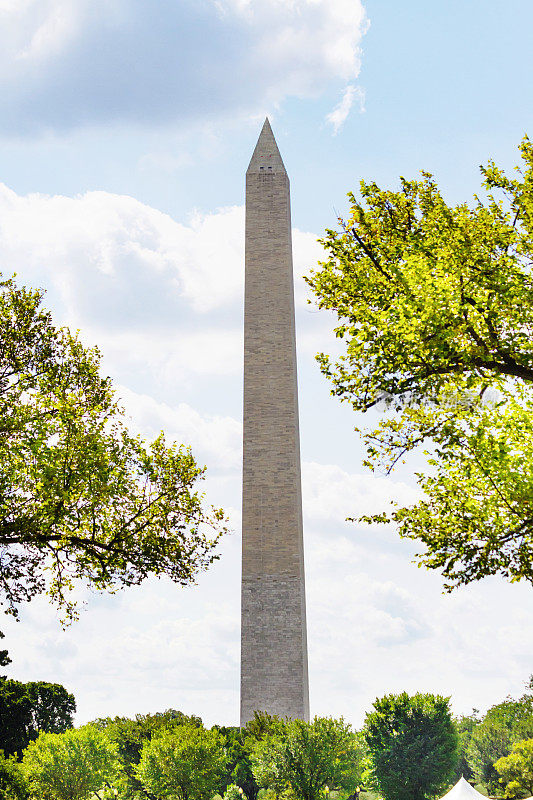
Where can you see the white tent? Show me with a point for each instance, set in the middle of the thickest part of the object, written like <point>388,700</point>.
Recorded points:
<point>463,791</point>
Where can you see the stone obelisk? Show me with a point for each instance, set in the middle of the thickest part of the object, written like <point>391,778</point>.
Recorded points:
<point>273,633</point>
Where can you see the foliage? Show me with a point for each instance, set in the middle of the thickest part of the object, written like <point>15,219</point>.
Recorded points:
<point>70,766</point>
<point>503,725</point>
<point>4,656</point>
<point>435,306</point>
<point>238,744</point>
<point>27,708</point>
<point>81,499</point>
<point>266,794</point>
<point>465,727</point>
<point>308,757</point>
<point>234,792</point>
<point>264,724</point>
<point>182,763</point>
<point>516,770</point>
<point>13,784</point>
<point>52,707</point>
<point>413,745</point>
<point>129,736</point>
<point>15,716</point>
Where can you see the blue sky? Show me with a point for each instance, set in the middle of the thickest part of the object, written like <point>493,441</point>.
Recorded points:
<point>125,132</point>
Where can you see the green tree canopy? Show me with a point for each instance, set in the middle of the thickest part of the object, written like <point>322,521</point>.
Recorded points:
<point>13,783</point>
<point>4,655</point>
<point>413,745</point>
<point>70,766</point>
<point>238,745</point>
<point>28,708</point>
<point>503,725</point>
<point>516,770</point>
<point>435,306</point>
<point>183,763</point>
<point>129,737</point>
<point>465,726</point>
<point>234,792</point>
<point>81,499</point>
<point>308,756</point>
<point>52,706</point>
<point>263,725</point>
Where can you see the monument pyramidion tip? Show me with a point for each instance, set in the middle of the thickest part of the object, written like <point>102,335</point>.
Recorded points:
<point>266,156</point>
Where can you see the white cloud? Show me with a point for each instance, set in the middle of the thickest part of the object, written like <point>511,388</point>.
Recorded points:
<point>144,287</point>
<point>306,253</point>
<point>169,360</point>
<point>306,33</point>
<point>214,439</point>
<point>340,113</point>
<point>51,31</point>
<point>332,493</point>
<point>136,282</point>
<point>107,243</point>
<point>156,647</point>
<point>68,64</point>
<point>104,242</point>
<point>377,624</point>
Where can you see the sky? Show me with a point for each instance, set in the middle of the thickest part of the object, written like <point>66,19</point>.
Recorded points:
<point>125,131</point>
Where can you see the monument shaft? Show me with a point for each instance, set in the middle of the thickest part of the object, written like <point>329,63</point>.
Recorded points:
<point>273,635</point>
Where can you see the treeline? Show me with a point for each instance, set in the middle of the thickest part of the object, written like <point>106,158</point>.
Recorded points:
<point>410,748</point>
<point>28,708</point>
<point>484,742</point>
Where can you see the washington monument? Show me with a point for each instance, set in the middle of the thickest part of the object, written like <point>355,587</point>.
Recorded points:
<point>273,632</point>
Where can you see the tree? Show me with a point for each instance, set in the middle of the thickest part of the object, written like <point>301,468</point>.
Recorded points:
<point>129,736</point>
<point>4,656</point>
<point>182,763</point>
<point>263,725</point>
<point>516,770</point>
<point>13,784</point>
<point>15,716</point>
<point>52,707</point>
<point>412,743</point>
<point>28,708</point>
<point>465,726</point>
<point>435,306</point>
<point>234,792</point>
<point>238,745</point>
<point>308,757</point>
<point>81,499</point>
<point>503,725</point>
<point>70,766</point>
